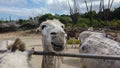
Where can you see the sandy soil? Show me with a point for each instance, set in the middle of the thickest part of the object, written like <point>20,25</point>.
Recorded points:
<point>34,40</point>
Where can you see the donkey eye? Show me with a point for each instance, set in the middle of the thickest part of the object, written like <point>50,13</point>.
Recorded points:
<point>53,33</point>
<point>43,26</point>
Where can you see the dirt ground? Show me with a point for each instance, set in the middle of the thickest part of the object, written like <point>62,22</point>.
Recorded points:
<point>34,40</point>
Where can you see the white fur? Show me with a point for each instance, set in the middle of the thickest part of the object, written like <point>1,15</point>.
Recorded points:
<point>15,60</point>
<point>51,26</point>
<point>97,43</point>
<point>4,44</point>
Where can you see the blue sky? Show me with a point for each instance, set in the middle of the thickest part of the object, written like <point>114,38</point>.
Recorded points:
<point>25,8</point>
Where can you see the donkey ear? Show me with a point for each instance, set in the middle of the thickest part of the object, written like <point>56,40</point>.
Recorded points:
<point>13,47</point>
<point>17,45</point>
<point>40,28</point>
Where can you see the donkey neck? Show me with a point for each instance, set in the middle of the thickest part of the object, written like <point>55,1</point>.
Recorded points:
<point>51,62</point>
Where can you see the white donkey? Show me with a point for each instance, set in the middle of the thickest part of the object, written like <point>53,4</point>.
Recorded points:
<point>96,43</point>
<point>53,40</point>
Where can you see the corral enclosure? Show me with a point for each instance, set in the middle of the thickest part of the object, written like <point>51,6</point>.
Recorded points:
<point>31,39</point>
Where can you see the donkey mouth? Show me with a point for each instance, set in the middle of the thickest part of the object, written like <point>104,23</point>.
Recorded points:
<point>57,47</point>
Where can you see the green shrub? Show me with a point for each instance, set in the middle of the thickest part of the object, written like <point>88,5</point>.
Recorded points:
<point>27,26</point>
<point>70,41</point>
<point>77,41</point>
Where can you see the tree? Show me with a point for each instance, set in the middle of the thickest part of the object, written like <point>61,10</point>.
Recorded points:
<point>21,21</point>
<point>90,13</point>
<point>74,12</point>
<point>116,13</point>
<point>45,17</point>
<point>65,19</point>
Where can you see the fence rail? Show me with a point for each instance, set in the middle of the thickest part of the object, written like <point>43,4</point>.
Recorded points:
<point>111,57</point>
<point>77,55</point>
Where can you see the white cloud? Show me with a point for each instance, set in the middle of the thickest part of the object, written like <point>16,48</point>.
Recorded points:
<point>38,1</point>
<point>48,6</point>
<point>23,11</point>
<point>58,5</point>
<point>12,2</point>
<point>55,6</point>
<point>50,2</point>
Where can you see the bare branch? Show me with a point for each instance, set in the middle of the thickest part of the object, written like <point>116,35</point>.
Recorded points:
<point>91,7</point>
<point>75,7</point>
<point>100,7</point>
<point>71,11</point>
<point>74,12</point>
<point>86,5</point>
<point>111,4</point>
<point>103,5</point>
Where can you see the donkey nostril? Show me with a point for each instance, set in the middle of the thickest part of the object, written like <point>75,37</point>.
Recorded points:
<point>53,33</point>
